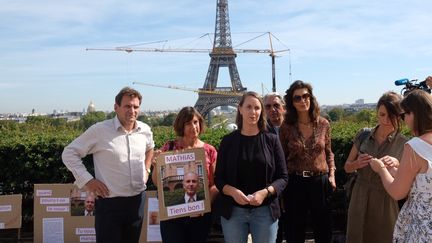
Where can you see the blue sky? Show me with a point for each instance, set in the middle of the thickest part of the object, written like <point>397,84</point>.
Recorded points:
<point>347,49</point>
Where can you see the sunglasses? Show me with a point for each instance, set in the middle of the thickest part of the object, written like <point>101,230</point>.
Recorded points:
<point>402,115</point>
<point>269,106</point>
<point>299,98</point>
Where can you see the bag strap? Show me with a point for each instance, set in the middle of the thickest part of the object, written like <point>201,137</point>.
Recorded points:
<point>364,134</point>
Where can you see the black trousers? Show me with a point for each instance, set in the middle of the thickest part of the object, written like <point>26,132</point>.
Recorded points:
<point>303,195</point>
<point>281,223</point>
<point>119,219</point>
<point>186,229</point>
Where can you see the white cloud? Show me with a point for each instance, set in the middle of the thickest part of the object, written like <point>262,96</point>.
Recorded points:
<point>331,42</point>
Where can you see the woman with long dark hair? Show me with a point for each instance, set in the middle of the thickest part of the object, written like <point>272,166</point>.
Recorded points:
<point>305,139</point>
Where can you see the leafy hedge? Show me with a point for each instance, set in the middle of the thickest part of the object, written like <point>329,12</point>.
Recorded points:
<point>31,153</point>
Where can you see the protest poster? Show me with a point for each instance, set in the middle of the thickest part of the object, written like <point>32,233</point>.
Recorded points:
<point>10,211</point>
<point>182,183</point>
<point>60,214</point>
<point>150,231</point>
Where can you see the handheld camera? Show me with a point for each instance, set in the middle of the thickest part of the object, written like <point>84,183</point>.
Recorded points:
<point>411,85</point>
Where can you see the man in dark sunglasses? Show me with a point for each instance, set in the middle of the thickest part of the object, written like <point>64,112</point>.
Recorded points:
<point>275,110</point>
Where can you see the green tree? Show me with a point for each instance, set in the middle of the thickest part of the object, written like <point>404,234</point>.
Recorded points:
<point>6,125</point>
<point>144,119</point>
<point>45,120</point>
<point>91,118</point>
<point>38,120</point>
<point>168,120</point>
<point>58,122</point>
<point>336,114</point>
<point>366,115</point>
<point>111,115</point>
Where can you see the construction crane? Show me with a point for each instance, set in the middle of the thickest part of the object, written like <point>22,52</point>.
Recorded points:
<point>219,92</point>
<point>272,53</point>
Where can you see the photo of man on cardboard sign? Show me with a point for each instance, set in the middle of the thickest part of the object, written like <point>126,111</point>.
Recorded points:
<point>182,184</point>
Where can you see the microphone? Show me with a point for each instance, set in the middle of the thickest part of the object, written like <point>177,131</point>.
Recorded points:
<point>401,82</point>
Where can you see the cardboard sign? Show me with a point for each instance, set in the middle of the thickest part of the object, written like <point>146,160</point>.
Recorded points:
<point>59,214</point>
<point>10,211</point>
<point>150,231</point>
<point>182,183</point>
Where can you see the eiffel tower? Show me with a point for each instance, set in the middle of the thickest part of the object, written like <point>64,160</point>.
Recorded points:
<point>222,55</point>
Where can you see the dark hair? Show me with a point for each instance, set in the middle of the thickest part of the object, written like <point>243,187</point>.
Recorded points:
<point>262,123</point>
<point>391,101</point>
<point>186,115</point>
<point>291,115</point>
<point>127,91</point>
<point>419,103</point>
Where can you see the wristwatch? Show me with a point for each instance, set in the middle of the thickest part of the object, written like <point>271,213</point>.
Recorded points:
<point>269,194</point>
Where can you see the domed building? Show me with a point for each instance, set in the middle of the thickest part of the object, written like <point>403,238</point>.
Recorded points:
<point>91,107</point>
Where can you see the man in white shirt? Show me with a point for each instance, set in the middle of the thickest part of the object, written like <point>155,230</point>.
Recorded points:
<point>122,149</point>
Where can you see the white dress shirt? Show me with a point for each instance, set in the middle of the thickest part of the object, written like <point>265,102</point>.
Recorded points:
<point>118,156</point>
<point>189,199</point>
<point>87,213</point>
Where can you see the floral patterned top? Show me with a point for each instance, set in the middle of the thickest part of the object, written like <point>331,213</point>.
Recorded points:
<point>313,154</point>
<point>414,223</point>
<point>210,154</point>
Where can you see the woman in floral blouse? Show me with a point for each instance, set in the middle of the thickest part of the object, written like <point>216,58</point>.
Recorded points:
<point>305,139</point>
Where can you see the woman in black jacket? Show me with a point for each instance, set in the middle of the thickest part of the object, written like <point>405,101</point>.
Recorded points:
<point>251,173</point>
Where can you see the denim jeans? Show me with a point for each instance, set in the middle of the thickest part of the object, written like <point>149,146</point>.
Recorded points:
<point>257,221</point>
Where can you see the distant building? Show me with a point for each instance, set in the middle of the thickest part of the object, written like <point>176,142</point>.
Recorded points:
<point>357,106</point>
<point>359,102</point>
<point>91,107</point>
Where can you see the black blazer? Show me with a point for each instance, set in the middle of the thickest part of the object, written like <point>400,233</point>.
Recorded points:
<point>226,170</point>
<point>271,128</point>
<point>181,200</point>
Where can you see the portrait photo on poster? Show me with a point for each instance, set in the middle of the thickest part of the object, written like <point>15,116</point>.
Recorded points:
<point>182,184</point>
<point>82,202</point>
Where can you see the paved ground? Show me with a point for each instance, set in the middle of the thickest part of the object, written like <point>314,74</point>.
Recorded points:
<point>338,237</point>
<point>216,236</point>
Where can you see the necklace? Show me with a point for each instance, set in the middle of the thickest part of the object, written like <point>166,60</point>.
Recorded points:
<point>304,141</point>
